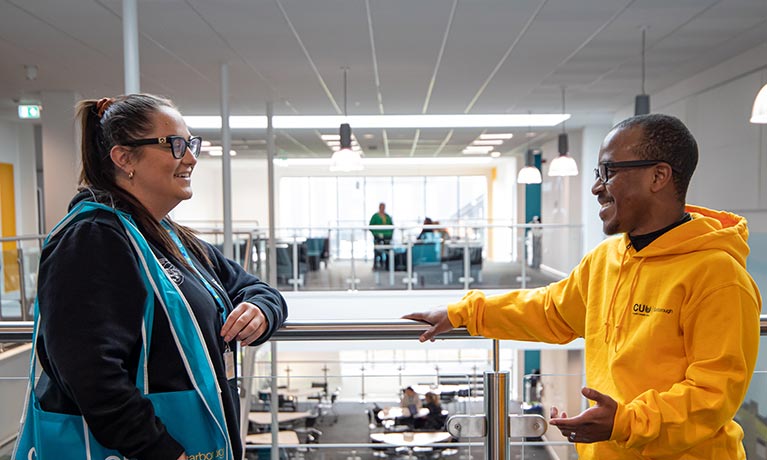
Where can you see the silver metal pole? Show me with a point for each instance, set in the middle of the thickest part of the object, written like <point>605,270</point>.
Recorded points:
<point>496,355</point>
<point>272,245</point>
<point>130,47</point>
<point>226,161</point>
<point>22,286</point>
<point>248,355</point>
<point>274,406</point>
<point>497,412</point>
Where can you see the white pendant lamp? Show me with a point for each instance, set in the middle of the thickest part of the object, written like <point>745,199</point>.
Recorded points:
<point>642,101</point>
<point>564,164</point>
<point>529,174</point>
<point>345,159</point>
<point>759,112</point>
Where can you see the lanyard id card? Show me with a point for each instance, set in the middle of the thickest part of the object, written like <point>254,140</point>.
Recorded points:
<point>229,362</point>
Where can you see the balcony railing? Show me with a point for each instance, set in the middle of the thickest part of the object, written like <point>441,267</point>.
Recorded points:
<point>265,371</point>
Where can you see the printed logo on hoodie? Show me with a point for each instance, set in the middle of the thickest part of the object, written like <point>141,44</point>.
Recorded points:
<point>640,309</point>
<point>174,273</point>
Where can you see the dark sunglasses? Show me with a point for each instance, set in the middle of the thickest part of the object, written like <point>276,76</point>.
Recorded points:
<point>178,144</point>
<point>602,171</point>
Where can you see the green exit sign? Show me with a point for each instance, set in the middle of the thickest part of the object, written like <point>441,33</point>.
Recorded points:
<point>29,111</point>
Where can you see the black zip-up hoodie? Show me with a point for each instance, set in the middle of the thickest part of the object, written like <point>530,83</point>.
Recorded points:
<point>91,300</point>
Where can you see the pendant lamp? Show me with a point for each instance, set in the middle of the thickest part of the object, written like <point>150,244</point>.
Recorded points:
<point>564,164</point>
<point>759,112</point>
<point>642,101</point>
<point>529,174</point>
<point>345,159</point>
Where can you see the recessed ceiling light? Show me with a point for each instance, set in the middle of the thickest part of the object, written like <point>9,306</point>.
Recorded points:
<point>477,149</point>
<point>496,136</point>
<point>487,142</point>
<point>495,154</point>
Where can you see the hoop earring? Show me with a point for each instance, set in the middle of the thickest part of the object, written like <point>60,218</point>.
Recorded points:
<point>130,175</point>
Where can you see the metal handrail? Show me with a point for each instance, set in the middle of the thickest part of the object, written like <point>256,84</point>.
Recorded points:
<point>21,331</point>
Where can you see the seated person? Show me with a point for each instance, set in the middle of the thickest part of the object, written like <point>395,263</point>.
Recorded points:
<point>432,233</point>
<point>410,404</point>
<point>427,233</point>
<point>434,420</point>
<point>410,401</point>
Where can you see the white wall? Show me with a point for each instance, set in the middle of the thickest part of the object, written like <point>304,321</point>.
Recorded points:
<point>18,148</point>
<point>561,204</point>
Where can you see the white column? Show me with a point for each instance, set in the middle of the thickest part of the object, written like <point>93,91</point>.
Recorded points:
<point>226,161</point>
<point>270,149</point>
<point>592,225</point>
<point>130,47</point>
<point>61,153</point>
<point>26,187</point>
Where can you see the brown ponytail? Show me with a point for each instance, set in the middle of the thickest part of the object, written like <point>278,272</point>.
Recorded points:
<point>108,122</point>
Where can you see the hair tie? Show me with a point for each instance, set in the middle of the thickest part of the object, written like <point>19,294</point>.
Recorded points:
<point>103,104</point>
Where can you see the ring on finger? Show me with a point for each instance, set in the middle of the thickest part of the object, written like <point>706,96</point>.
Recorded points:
<point>572,436</point>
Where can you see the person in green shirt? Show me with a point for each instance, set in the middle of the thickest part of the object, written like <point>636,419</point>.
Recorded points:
<point>382,236</point>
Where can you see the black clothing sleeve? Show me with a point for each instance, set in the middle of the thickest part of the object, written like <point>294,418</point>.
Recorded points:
<point>91,300</point>
<point>241,286</point>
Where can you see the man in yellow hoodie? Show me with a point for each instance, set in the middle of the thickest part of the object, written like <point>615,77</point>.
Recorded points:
<point>669,315</point>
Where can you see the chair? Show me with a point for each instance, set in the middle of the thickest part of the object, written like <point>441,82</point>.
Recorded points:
<point>326,407</point>
<point>317,251</point>
<point>426,261</point>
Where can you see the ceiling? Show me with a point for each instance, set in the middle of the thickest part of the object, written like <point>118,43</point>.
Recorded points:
<point>403,57</point>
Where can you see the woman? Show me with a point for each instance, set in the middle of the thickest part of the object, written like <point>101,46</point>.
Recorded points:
<point>138,157</point>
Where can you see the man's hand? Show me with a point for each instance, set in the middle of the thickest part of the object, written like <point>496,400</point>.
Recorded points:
<point>595,424</point>
<point>437,319</point>
<point>246,323</point>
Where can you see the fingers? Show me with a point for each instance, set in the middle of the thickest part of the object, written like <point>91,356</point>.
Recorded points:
<point>245,323</point>
<point>438,319</point>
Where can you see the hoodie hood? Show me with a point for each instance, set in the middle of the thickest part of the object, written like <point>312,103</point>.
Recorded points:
<point>708,229</point>
<point>96,195</point>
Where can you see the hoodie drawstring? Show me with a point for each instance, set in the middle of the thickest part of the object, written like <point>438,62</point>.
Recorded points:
<point>619,325</point>
<point>611,307</point>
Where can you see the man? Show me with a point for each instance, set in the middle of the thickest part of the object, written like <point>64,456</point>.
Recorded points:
<point>381,236</point>
<point>669,315</point>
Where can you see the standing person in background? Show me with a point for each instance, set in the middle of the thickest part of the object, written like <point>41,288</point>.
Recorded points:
<point>137,162</point>
<point>669,314</point>
<point>381,236</point>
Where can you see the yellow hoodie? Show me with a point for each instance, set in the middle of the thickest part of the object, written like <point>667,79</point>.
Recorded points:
<point>671,333</point>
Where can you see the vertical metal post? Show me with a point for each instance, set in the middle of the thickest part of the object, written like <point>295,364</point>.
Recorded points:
<point>274,406</point>
<point>294,257</point>
<point>22,285</point>
<point>247,374</point>
<point>353,286</point>
<point>272,245</point>
<point>131,72</point>
<point>497,413</point>
<point>524,258</point>
<point>409,265</point>
<point>466,265</point>
<point>226,160</point>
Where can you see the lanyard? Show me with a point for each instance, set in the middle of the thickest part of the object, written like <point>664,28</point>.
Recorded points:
<point>205,282</point>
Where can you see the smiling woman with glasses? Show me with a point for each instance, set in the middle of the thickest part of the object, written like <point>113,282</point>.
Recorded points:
<point>138,318</point>
<point>178,144</point>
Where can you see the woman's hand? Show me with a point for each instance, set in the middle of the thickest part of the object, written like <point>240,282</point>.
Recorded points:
<point>437,319</point>
<point>245,323</point>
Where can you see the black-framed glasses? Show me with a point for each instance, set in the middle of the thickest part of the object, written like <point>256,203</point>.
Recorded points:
<point>178,144</point>
<point>602,171</point>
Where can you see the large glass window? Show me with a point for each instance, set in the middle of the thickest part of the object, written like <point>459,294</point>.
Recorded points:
<point>314,203</point>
